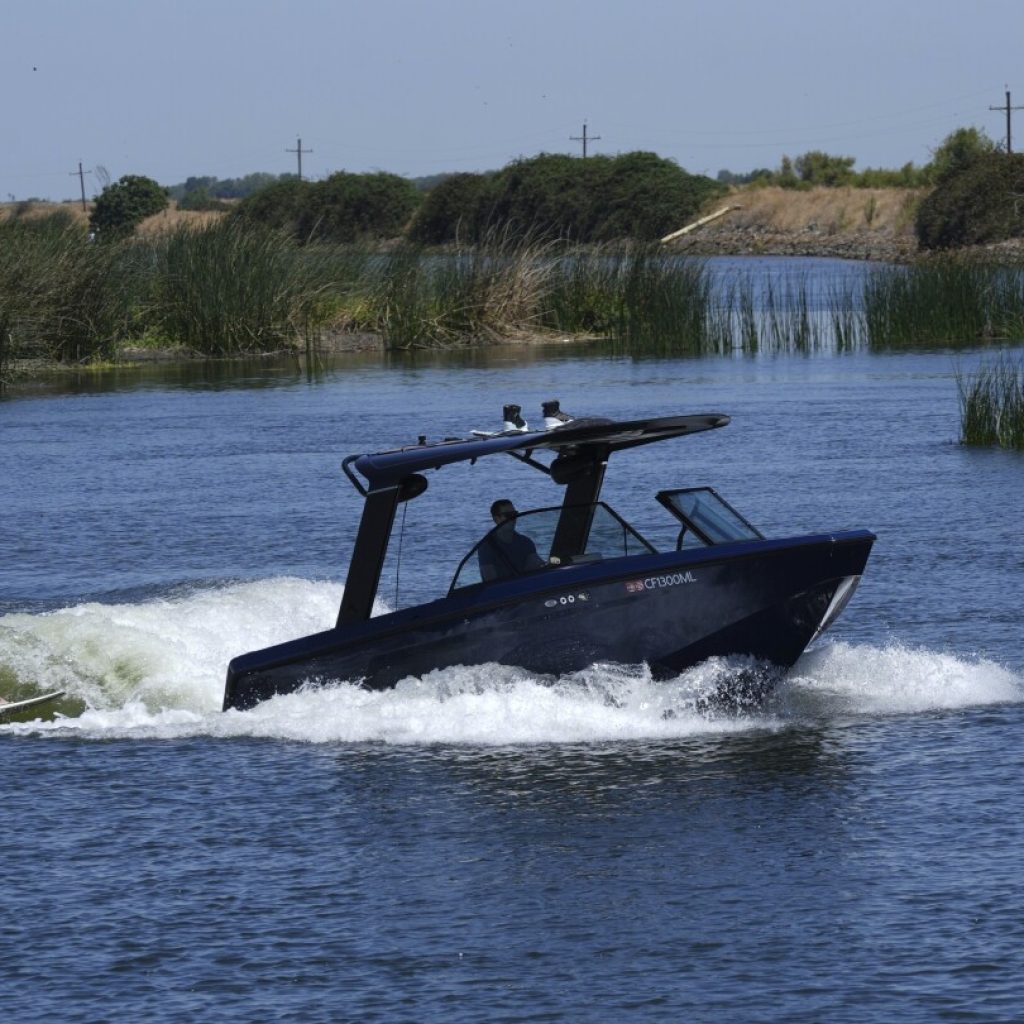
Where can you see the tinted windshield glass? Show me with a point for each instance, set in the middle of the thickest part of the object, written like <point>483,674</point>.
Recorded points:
<point>711,518</point>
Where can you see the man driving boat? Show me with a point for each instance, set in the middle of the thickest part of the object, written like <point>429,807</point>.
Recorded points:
<point>505,552</point>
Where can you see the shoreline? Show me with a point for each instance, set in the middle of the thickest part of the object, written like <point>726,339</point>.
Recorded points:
<point>753,239</point>
<point>811,242</point>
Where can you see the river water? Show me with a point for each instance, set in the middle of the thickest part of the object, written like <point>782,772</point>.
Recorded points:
<point>479,844</point>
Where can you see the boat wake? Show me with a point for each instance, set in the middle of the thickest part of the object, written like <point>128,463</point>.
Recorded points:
<point>156,670</point>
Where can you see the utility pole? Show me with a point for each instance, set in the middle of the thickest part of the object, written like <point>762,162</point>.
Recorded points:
<point>1007,108</point>
<point>298,151</point>
<point>584,138</point>
<point>80,174</point>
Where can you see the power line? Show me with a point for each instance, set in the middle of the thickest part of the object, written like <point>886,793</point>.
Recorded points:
<point>298,151</point>
<point>1007,108</point>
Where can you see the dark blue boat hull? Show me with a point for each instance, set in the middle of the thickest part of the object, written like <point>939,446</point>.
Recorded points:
<point>764,599</point>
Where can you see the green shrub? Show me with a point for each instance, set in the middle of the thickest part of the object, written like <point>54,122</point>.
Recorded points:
<point>342,208</point>
<point>958,151</point>
<point>452,211</point>
<point>351,207</point>
<point>200,199</point>
<point>638,196</point>
<point>278,206</point>
<point>122,206</point>
<point>818,168</point>
<point>979,204</point>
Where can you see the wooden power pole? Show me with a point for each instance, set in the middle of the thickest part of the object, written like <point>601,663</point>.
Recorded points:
<point>1007,108</point>
<point>80,174</point>
<point>584,138</point>
<point>298,151</point>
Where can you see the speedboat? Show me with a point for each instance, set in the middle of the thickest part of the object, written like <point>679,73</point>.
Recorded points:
<point>592,588</point>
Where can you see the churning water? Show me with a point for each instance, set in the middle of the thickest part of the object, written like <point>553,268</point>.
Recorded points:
<point>155,668</point>
<point>480,844</point>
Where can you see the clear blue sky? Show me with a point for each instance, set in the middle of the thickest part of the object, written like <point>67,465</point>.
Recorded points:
<point>224,87</point>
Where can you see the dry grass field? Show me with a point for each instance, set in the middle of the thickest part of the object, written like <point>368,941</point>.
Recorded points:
<point>37,209</point>
<point>831,210</point>
<point>172,217</point>
<point>853,223</point>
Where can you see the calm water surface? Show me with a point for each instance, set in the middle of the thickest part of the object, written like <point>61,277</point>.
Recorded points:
<point>480,845</point>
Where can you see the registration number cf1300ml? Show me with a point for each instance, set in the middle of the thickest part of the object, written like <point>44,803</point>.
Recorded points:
<point>672,579</point>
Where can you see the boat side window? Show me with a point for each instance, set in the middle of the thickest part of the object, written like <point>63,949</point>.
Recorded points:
<point>502,558</point>
<point>706,517</point>
<point>502,553</point>
<point>612,537</point>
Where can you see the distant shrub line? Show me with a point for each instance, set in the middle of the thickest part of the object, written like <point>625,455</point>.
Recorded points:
<point>636,196</point>
<point>978,198</point>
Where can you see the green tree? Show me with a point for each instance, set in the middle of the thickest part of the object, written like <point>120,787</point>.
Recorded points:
<point>123,205</point>
<point>958,151</point>
<point>200,199</point>
<point>342,208</point>
<point>193,184</point>
<point>278,205</point>
<point>346,207</point>
<point>981,202</point>
<point>787,176</point>
<point>818,168</point>
<point>238,188</point>
<point>451,210</point>
<point>635,195</point>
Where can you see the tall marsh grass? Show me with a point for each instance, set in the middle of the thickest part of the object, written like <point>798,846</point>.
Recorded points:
<point>992,405</point>
<point>62,298</point>
<point>225,289</point>
<point>636,296</point>
<point>949,302</point>
<point>422,300</point>
<point>229,289</point>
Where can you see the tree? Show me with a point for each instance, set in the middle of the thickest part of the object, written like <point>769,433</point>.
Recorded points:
<point>121,207</point>
<point>981,202</point>
<point>346,207</point>
<point>602,198</point>
<point>786,177</point>
<point>276,206</point>
<point>759,174</point>
<point>450,210</point>
<point>958,151</point>
<point>818,168</point>
<point>200,199</point>
<point>342,208</point>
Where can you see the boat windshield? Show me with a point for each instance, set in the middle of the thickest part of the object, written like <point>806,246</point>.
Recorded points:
<point>525,545</point>
<point>706,517</point>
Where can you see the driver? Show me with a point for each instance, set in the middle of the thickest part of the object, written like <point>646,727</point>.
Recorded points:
<point>504,552</point>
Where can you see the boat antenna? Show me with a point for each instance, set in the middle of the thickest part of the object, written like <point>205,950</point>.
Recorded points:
<point>398,560</point>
